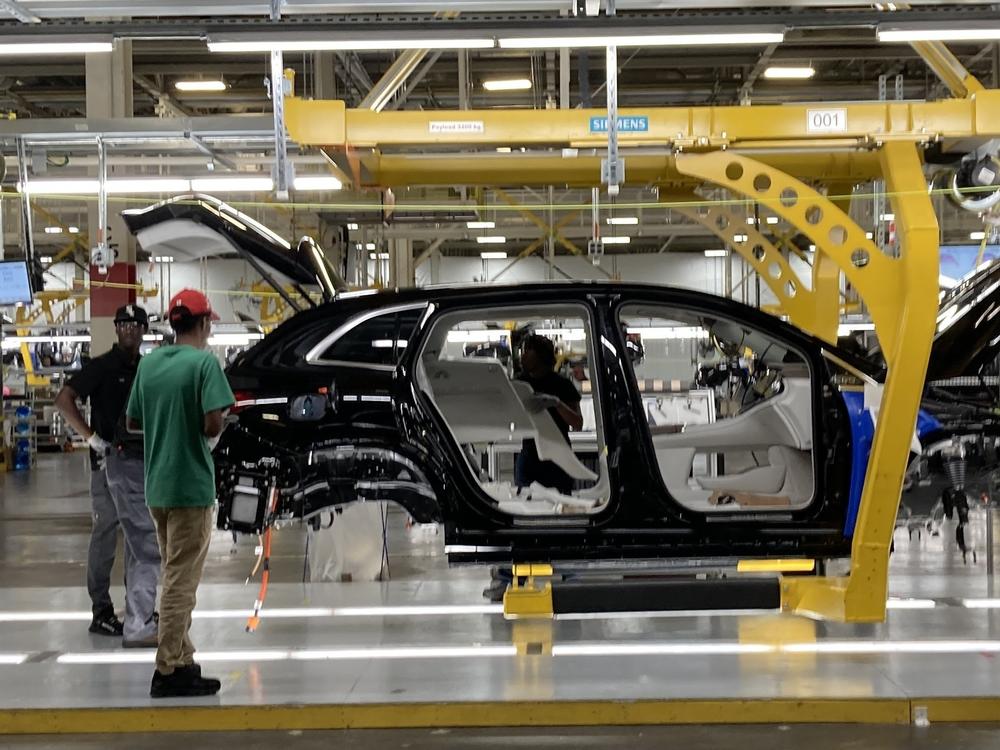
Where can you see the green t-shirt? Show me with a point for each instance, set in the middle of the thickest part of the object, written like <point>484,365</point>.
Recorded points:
<point>174,388</point>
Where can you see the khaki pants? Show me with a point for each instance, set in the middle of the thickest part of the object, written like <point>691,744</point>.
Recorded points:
<point>183,534</point>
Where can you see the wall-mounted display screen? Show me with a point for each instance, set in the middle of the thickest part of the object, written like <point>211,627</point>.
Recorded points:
<point>15,286</point>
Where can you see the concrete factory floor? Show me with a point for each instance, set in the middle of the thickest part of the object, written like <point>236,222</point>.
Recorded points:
<point>425,651</point>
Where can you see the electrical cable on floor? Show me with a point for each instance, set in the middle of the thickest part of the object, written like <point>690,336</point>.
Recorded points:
<point>305,557</point>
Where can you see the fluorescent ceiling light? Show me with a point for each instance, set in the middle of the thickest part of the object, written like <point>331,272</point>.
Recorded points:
<point>751,220</point>
<point>740,238</point>
<point>910,604</point>
<point>623,220</point>
<point>642,38</point>
<point>481,224</point>
<point>716,253</point>
<point>507,84</point>
<point>845,329</point>
<point>789,72</point>
<point>378,256</point>
<point>403,652</point>
<point>318,182</point>
<point>887,217</point>
<point>870,235</point>
<point>812,248</point>
<point>74,230</point>
<point>703,648</point>
<point>369,246</point>
<point>938,34</point>
<point>232,184</point>
<point>53,230</point>
<point>163,258</point>
<point>891,647</point>
<point>616,240</point>
<point>200,85</point>
<point>13,48</point>
<point>168,185</point>
<point>669,332</point>
<point>772,219</point>
<point>981,603</point>
<point>503,149</point>
<point>286,43</point>
<point>972,235</point>
<point>494,239</point>
<point>352,227</point>
<point>493,255</point>
<point>12,659</point>
<point>46,259</point>
<point>233,339</point>
<point>61,187</point>
<point>139,186</point>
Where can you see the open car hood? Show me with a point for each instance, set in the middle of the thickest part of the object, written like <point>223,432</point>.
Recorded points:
<point>967,335</point>
<point>190,227</point>
<point>968,326</point>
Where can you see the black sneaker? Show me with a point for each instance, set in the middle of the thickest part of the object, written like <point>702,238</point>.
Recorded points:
<point>183,682</point>
<point>107,623</point>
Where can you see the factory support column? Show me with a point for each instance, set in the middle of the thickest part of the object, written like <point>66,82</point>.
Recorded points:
<point>324,75</point>
<point>109,95</point>
<point>403,273</point>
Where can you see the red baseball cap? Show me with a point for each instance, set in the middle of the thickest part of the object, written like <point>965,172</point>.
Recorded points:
<point>195,302</point>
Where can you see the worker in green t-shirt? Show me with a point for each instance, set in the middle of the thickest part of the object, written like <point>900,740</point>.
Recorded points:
<point>178,401</point>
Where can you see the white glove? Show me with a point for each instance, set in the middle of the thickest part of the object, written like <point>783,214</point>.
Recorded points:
<point>99,444</point>
<point>539,402</point>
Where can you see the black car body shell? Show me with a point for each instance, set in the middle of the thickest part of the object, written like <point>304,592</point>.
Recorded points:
<point>379,437</point>
<point>382,439</point>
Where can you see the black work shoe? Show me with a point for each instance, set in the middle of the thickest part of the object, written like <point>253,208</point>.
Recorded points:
<point>495,591</point>
<point>183,682</point>
<point>107,623</point>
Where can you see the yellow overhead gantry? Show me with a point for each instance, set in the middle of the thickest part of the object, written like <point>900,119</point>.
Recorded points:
<point>779,157</point>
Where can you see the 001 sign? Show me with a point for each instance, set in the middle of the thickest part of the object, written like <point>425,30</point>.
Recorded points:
<point>826,120</point>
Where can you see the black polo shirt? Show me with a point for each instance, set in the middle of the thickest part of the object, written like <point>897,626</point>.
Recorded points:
<point>107,381</point>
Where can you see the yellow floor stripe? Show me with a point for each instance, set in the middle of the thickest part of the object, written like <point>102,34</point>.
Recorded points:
<point>483,714</point>
<point>959,709</point>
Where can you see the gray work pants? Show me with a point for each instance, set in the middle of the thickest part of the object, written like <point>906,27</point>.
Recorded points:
<point>126,481</point>
<point>103,541</point>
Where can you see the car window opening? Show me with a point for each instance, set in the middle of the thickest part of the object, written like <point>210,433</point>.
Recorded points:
<point>729,410</point>
<point>516,389</point>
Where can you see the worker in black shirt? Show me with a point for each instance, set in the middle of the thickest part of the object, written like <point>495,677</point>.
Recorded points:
<point>116,485</point>
<point>559,396</point>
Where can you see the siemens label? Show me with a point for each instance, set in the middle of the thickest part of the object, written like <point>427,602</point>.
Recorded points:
<point>626,124</point>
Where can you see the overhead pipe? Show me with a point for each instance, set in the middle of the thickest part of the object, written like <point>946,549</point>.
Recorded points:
<point>393,80</point>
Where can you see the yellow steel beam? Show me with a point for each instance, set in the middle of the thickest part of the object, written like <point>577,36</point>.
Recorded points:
<point>585,171</point>
<point>781,136</point>
<point>331,124</point>
<point>67,250</point>
<point>896,290</point>
<point>541,223</point>
<point>795,299</point>
<point>948,68</point>
<point>904,310</point>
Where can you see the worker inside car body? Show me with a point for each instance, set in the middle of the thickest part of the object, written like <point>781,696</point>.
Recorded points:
<point>178,402</point>
<point>116,485</point>
<point>557,395</point>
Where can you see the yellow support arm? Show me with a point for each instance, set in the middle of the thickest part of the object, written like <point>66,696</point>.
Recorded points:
<point>948,68</point>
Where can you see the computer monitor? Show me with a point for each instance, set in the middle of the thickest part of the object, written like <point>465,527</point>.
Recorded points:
<point>15,283</point>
